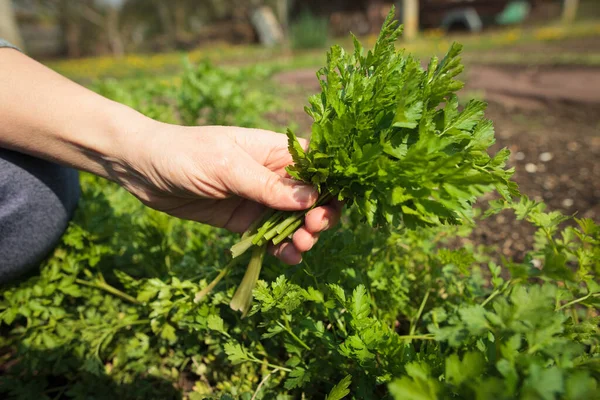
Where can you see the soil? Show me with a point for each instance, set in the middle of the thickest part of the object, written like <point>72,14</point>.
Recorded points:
<point>549,117</point>
<point>585,45</point>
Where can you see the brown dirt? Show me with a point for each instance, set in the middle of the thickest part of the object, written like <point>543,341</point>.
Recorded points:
<point>583,45</point>
<point>550,120</point>
<point>544,84</point>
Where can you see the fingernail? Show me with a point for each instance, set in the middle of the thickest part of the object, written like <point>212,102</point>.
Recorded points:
<point>325,224</point>
<point>305,194</point>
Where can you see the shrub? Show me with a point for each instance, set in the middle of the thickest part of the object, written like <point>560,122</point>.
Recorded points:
<point>209,95</point>
<point>204,94</point>
<point>309,31</point>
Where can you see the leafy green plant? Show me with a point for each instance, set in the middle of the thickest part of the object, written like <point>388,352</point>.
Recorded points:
<point>371,313</point>
<point>211,95</point>
<point>113,313</point>
<point>309,31</point>
<point>149,97</point>
<point>387,136</point>
<point>204,94</point>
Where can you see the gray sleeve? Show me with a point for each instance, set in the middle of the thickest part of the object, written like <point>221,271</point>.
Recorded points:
<point>4,43</point>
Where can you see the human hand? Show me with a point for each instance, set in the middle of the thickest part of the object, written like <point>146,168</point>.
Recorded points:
<point>222,176</point>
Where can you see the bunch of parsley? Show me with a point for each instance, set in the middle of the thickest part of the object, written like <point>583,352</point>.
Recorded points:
<point>387,136</point>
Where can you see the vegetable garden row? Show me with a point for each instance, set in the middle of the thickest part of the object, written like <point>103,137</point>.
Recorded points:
<point>387,306</point>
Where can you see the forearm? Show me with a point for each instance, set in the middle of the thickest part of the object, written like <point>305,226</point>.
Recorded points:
<point>48,116</point>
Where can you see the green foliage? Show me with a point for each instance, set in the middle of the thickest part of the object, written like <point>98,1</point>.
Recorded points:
<point>309,31</point>
<point>203,95</point>
<point>209,95</point>
<point>150,97</point>
<point>114,313</point>
<point>389,136</point>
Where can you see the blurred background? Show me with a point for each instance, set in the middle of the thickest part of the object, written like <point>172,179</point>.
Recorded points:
<point>69,28</point>
<point>253,63</point>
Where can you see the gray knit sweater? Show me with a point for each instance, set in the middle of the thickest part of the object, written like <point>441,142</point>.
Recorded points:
<point>37,200</point>
<point>4,43</point>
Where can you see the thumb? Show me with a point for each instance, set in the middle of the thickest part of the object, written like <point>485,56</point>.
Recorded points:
<point>255,182</point>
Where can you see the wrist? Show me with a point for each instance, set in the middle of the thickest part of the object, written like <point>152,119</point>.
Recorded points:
<point>118,134</point>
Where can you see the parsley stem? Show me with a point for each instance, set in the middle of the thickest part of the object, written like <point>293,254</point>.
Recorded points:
<point>280,227</point>
<point>266,215</point>
<point>274,226</point>
<point>289,330</point>
<point>491,297</point>
<point>215,281</point>
<point>268,224</point>
<point>242,298</point>
<point>417,337</point>
<point>265,379</point>
<point>110,289</point>
<point>240,247</point>
<point>274,366</point>
<point>413,326</point>
<point>288,231</point>
<point>579,300</point>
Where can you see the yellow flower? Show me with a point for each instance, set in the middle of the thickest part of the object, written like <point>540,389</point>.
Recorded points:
<point>434,33</point>
<point>549,33</point>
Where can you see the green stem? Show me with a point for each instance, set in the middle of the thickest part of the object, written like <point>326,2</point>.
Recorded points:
<point>240,247</point>
<point>273,220</point>
<point>413,327</point>
<point>579,300</point>
<point>258,222</point>
<point>279,367</point>
<point>107,288</point>
<point>274,224</point>
<point>282,225</point>
<point>215,281</point>
<point>242,299</point>
<point>289,330</point>
<point>491,297</point>
<point>265,379</point>
<point>417,337</point>
<point>288,231</point>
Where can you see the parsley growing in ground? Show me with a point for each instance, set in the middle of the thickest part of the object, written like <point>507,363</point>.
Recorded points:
<point>387,136</point>
<point>407,314</point>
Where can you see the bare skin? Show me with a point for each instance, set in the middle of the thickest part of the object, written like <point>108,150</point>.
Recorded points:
<point>218,175</point>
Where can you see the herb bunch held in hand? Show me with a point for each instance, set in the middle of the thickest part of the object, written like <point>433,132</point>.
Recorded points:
<point>388,137</point>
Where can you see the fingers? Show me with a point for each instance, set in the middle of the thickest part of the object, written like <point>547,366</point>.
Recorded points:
<point>259,143</point>
<point>323,218</point>
<point>303,240</point>
<point>316,221</point>
<point>287,253</point>
<point>290,252</point>
<point>251,180</point>
<point>243,215</point>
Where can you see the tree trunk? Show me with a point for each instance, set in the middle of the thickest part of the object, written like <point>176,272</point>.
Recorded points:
<point>570,10</point>
<point>167,22</point>
<point>9,30</point>
<point>180,12</point>
<point>283,14</point>
<point>410,14</point>
<point>114,35</point>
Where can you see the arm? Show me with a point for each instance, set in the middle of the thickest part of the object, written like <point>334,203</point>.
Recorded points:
<point>46,115</point>
<point>223,176</point>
